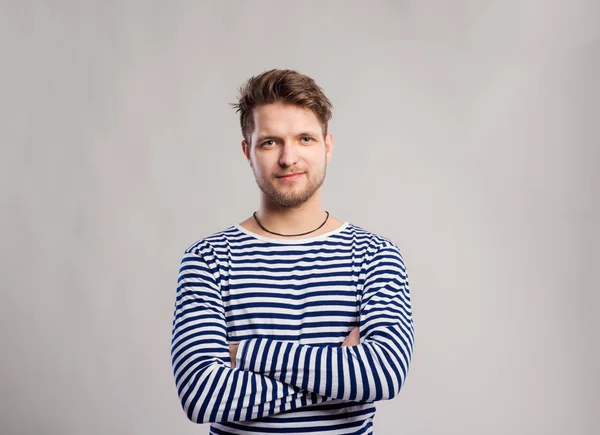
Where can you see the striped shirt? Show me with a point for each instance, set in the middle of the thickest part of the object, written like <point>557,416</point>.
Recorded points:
<point>290,304</point>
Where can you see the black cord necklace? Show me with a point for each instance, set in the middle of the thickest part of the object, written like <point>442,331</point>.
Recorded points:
<point>291,235</point>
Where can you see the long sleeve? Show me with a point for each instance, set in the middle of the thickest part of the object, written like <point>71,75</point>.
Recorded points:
<point>209,389</point>
<point>373,370</point>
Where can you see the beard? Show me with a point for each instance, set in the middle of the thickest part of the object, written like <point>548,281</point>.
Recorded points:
<point>293,198</point>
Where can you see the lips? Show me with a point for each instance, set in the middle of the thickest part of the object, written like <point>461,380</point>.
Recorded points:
<point>290,177</point>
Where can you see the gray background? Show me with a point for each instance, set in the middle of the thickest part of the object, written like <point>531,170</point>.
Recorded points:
<point>466,131</point>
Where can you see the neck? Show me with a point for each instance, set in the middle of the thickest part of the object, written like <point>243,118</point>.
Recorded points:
<point>292,220</point>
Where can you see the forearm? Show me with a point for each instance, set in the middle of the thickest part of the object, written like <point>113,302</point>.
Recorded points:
<point>373,370</point>
<point>213,392</point>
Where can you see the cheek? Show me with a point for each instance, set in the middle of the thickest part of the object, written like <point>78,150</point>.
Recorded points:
<point>317,161</point>
<point>261,166</point>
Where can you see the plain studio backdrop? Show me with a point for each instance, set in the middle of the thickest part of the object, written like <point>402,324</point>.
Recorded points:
<point>466,131</point>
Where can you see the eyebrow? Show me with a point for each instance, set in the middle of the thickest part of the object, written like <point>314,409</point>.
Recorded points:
<point>273,137</point>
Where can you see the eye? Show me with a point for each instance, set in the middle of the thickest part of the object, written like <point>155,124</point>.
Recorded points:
<point>306,139</point>
<point>268,143</point>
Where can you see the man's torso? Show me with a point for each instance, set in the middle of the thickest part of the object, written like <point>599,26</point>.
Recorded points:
<point>307,291</point>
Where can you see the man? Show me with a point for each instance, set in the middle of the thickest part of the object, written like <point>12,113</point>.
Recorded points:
<point>291,321</point>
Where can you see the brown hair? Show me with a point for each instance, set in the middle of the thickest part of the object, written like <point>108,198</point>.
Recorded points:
<point>281,86</point>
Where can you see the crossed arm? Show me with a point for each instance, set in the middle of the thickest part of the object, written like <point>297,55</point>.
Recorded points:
<point>213,388</point>
<point>208,388</point>
<point>352,339</point>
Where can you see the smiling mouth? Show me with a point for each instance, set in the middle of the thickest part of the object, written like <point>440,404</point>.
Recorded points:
<point>289,177</point>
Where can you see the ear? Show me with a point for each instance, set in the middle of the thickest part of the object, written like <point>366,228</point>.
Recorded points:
<point>246,151</point>
<point>328,146</point>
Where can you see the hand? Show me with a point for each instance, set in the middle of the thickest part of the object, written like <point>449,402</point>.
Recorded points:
<point>353,338</point>
<point>232,352</point>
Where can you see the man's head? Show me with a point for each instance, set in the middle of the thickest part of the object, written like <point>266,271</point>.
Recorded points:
<point>281,86</point>
<point>284,116</point>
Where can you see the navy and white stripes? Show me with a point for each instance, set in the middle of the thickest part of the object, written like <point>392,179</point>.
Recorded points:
<point>290,304</point>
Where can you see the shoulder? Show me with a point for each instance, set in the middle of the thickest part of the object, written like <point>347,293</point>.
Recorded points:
<point>382,256</point>
<point>378,249</point>
<point>374,240</point>
<point>212,242</point>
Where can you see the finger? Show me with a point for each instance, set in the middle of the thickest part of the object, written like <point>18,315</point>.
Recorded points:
<point>355,336</point>
<point>351,338</point>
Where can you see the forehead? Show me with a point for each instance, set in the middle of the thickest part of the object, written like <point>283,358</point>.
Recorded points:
<point>278,118</point>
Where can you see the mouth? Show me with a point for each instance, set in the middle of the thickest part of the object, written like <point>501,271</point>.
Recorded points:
<point>290,177</point>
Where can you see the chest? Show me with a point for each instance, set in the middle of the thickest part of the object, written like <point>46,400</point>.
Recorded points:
<point>311,304</point>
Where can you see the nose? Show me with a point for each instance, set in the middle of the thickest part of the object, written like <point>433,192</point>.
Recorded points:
<point>289,155</point>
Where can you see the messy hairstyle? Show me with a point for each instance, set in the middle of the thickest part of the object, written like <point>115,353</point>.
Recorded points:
<point>281,86</point>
